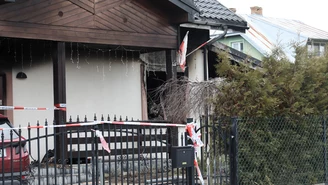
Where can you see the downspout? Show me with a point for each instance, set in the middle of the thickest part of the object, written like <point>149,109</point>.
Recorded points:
<point>215,39</point>
<point>207,108</point>
<point>205,63</point>
<point>208,43</point>
<point>211,41</point>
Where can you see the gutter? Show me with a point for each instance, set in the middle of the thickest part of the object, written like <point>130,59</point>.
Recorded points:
<point>211,41</point>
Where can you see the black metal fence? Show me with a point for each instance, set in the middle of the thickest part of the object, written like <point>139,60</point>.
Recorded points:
<point>245,151</point>
<point>214,158</point>
<point>139,155</point>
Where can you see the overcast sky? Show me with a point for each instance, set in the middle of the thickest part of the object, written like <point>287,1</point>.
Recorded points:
<point>313,12</point>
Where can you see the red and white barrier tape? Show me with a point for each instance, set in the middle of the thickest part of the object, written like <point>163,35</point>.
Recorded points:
<point>97,123</point>
<point>98,133</point>
<point>30,108</point>
<point>195,138</point>
<point>103,142</point>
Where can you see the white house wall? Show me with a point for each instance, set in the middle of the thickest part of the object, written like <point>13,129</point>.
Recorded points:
<point>97,86</point>
<point>104,87</point>
<point>34,91</point>
<point>37,91</point>
<point>196,70</point>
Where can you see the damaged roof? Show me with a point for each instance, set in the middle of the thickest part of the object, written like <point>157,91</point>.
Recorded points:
<point>212,12</point>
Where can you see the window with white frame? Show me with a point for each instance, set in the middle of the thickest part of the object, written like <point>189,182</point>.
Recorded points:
<point>238,46</point>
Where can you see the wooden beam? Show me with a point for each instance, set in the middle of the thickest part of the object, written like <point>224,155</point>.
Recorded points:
<point>59,84</point>
<point>144,106</point>
<point>86,35</point>
<point>169,64</point>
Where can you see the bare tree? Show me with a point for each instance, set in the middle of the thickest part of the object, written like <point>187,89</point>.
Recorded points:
<point>180,98</point>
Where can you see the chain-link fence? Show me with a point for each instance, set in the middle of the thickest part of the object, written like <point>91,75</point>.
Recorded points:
<point>282,151</point>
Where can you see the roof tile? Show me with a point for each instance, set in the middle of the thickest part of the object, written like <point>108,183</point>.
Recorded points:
<point>215,11</point>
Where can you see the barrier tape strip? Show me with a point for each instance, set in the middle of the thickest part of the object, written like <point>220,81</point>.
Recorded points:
<point>30,108</point>
<point>103,142</point>
<point>97,123</point>
<point>60,105</point>
<point>195,138</point>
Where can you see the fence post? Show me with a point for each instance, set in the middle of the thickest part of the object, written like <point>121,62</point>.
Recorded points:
<point>234,152</point>
<point>95,160</point>
<point>190,170</point>
<point>59,85</point>
<point>325,148</point>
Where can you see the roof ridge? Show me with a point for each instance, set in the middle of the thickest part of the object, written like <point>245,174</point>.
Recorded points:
<point>299,27</point>
<point>258,17</point>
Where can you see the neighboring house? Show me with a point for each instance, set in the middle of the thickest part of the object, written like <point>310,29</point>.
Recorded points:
<point>235,55</point>
<point>266,33</point>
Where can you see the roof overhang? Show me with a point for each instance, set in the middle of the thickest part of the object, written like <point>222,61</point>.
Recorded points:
<point>219,24</point>
<point>186,5</point>
<point>200,26</point>
<point>317,40</point>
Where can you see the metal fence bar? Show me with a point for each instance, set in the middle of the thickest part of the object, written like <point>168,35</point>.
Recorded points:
<point>71,156</point>
<point>325,149</point>
<point>234,153</point>
<point>121,153</point>
<point>115,157</point>
<point>167,158</point>
<point>55,154</point>
<point>3,157</point>
<point>162,163</point>
<point>20,154</point>
<point>47,155</point>
<point>86,154</point>
<point>11,156</point>
<point>133,157</point>
<point>127,155</point>
<point>63,154</point>
<point>38,144</point>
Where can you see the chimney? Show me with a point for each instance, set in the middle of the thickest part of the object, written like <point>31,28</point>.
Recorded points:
<point>256,10</point>
<point>234,10</point>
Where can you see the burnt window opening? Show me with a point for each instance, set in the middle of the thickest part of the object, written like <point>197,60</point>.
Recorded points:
<point>212,62</point>
<point>2,91</point>
<point>154,80</point>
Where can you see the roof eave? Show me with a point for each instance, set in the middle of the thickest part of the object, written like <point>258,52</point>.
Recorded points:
<point>316,39</point>
<point>240,27</point>
<point>185,5</point>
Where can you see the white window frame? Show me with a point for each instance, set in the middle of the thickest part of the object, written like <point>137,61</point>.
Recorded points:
<point>239,45</point>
